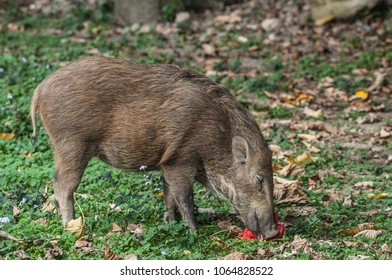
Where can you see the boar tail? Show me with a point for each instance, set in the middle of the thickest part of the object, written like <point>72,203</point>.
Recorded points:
<point>33,111</point>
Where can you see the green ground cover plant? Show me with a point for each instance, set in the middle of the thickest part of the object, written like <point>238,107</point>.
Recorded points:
<point>338,205</point>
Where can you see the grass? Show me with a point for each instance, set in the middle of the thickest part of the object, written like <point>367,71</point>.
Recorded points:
<point>108,196</point>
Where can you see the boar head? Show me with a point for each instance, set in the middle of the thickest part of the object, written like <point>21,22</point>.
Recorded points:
<point>248,185</point>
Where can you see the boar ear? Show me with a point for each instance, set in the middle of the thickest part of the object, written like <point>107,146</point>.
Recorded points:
<point>240,149</point>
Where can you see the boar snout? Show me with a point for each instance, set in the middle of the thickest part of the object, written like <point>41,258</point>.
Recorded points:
<point>262,224</point>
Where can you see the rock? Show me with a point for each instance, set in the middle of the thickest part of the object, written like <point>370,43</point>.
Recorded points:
<point>270,24</point>
<point>135,27</point>
<point>182,17</point>
<point>146,28</point>
<point>132,11</point>
<point>326,10</point>
<point>209,49</point>
<point>131,257</point>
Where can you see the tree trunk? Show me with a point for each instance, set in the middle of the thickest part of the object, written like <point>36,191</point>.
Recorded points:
<point>148,11</point>
<point>140,11</point>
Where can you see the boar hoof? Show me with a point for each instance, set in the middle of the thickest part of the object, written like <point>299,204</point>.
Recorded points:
<point>168,216</point>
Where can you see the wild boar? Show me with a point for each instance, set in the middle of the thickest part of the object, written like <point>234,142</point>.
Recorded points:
<point>163,117</point>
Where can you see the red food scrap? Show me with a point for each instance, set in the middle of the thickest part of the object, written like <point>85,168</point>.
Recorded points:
<point>279,227</point>
<point>247,234</point>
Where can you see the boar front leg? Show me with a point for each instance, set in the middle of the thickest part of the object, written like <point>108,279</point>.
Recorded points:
<point>69,167</point>
<point>178,190</point>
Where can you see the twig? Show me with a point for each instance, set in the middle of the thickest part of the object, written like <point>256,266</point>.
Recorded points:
<point>6,235</point>
<point>377,82</point>
<point>80,209</point>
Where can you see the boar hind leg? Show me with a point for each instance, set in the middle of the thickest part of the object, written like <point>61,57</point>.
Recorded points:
<point>178,190</point>
<point>170,214</point>
<point>69,168</point>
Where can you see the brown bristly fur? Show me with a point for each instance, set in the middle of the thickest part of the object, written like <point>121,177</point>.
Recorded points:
<point>161,116</point>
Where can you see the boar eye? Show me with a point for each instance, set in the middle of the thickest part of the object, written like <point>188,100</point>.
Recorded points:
<point>260,180</point>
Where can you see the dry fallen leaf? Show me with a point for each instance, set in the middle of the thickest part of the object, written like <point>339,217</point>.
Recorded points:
<point>41,221</point>
<point>377,82</point>
<point>356,244</point>
<point>313,113</point>
<point>232,231</point>
<point>136,229</point>
<point>304,157</point>
<point>131,257</point>
<point>299,98</point>
<point>377,196</point>
<point>220,243</point>
<point>50,204</point>
<point>115,207</point>
<point>15,210</point>
<point>94,51</point>
<point>97,29</point>
<point>7,136</point>
<point>22,254</point>
<point>116,228</point>
<point>224,224</point>
<point>358,258</point>
<point>53,253</point>
<point>312,181</point>
<point>388,212</point>
<point>360,71</point>
<point>355,230</point>
<point>311,148</point>
<point>285,182</point>
<point>300,210</point>
<point>307,137</point>
<point>324,19</point>
<point>364,185</point>
<point>109,255</point>
<point>291,169</point>
<point>326,82</point>
<point>209,49</point>
<point>276,150</point>
<point>288,191</point>
<point>83,241</point>
<point>299,244</point>
<point>368,213</point>
<point>265,253</point>
<point>348,201</point>
<point>237,256</point>
<point>15,28</point>
<point>301,159</point>
<point>384,133</point>
<point>385,248</point>
<point>276,167</point>
<point>222,19</point>
<point>335,94</point>
<point>372,233</point>
<point>361,94</point>
<point>28,154</point>
<point>209,211</point>
<point>330,196</point>
<point>75,226</point>
<point>330,129</point>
